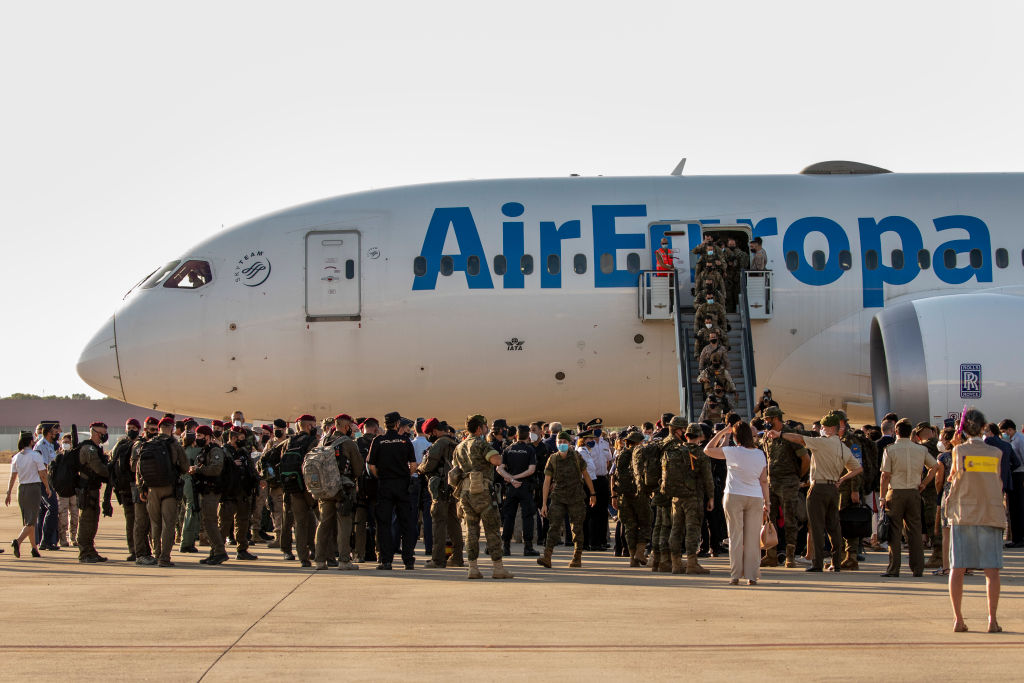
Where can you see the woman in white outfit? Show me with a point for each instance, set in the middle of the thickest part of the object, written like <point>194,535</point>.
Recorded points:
<point>746,499</point>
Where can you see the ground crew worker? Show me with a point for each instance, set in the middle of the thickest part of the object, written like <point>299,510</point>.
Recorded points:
<point>472,476</point>
<point>235,511</point>
<point>634,508</point>
<point>864,451</point>
<point>301,505</point>
<point>711,308</point>
<point>436,465</point>
<point>92,465</point>
<point>161,502</point>
<point>902,464</point>
<point>686,478</point>
<point>702,334</point>
<point>829,456</point>
<point>564,478</point>
<point>122,480</point>
<point>664,258</point>
<point>336,513</point>
<point>787,464</point>
<point>206,473</point>
<point>143,526</point>
<point>713,353</point>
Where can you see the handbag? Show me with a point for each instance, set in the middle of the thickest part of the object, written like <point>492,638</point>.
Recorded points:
<point>883,525</point>
<point>769,535</point>
<point>855,521</point>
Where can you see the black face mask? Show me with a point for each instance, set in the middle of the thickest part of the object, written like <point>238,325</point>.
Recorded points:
<point>278,433</point>
<point>104,437</point>
<point>264,440</point>
<point>201,443</point>
<point>216,434</point>
<point>133,434</point>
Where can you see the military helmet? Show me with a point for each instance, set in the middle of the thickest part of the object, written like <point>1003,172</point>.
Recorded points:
<point>635,437</point>
<point>677,422</point>
<point>694,430</point>
<point>773,411</point>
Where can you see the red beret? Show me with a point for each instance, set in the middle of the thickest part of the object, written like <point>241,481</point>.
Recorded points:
<point>132,422</point>
<point>165,421</point>
<point>344,416</point>
<point>217,423</point>
<point>237,430</point>
<point>151,420</point>
<point>430,424</point>
<point>98,425</point>
<point>267,428</point>
<point>204,430</point>
<point>305,418</point>
<point>190,421</point>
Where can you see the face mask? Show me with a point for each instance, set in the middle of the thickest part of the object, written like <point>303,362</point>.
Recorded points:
<point>714,342</point>
<point>590,444</point>
<point>237,423</point>
<point>201,442</point>
<point>711,301</point>
<point>534,436</point>
<point>563,447</point>
<point>647,437</point>
<point>1006,437</point>
<point>356,433</point>
<point>133,434</point>
<point>278,433</point>
<point>66,446</point>
<point>217,434</point>
<point>104,437</point>
<point>711,252</point>
<point>708,325</point>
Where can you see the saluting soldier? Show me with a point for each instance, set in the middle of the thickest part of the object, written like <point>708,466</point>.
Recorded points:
<point>787,464</point>
<point>634,508</point>
<point>94,471</point>
<point>686,477</point>
<point>564,477</point>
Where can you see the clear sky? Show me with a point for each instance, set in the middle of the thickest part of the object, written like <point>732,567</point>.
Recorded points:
<point>132,130</point>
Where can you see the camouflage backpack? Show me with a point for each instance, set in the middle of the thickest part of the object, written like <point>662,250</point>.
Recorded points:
<point>647,465</point>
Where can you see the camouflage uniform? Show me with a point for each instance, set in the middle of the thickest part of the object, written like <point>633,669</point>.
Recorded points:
<point>472,455</point>
<point>567,497</point>
<point>715,311</point>
<point>647,470</point>
<point>443,510</point>
<point>93,466</point>
<point>711,354</point>
<point>702,334</point>
<point>710,283</point>
<point>864,451</point>
<point>704,257</point>
<point>736,261</point>
<point>785,460</point>
<point>712,413</point>
<point>634,508</point>
<point>686,477</point>
<point>709,378</point>
<point>209,465</point>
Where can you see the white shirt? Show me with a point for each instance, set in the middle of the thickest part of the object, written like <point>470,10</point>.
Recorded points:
<point>28,463</point>
<point>602,454</point>
<point>1017,443</point>
<point>588,458</point>
<point>45,450</point>
<point>745,468</point>
<point>420,445</point>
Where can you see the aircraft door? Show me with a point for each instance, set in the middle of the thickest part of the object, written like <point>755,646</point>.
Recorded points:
<point>332,275</point>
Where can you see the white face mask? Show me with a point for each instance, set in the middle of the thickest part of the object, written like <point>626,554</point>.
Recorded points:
<point>237,423</point>
<point>708,325</point>
<point>534,436</point>
<point>356,433</point>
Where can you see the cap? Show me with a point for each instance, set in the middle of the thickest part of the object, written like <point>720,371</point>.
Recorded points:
<point>677,422</point>
<point>371,421</point>
<point>392,417</point>
<point>694,430</point>
<point>98,425</point>
<point>406,422</point>
<point>596,422</point>
<point>343,416</point>
<point>305,417</point>
<point>151,420</point>
<point>773,411</point>
<point>280,424</point>
<point>634,437</point>
<point>430,425</point>
<point>204,430</point>
<point>564,435</point>
<point>830,420</point>
<point>165,421</point>
<point>585,434</point>
<point>132,422</point>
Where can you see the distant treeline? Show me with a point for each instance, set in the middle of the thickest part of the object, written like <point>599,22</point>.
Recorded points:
<point>72,397</point>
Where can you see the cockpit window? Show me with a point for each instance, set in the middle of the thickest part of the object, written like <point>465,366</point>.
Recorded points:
<point>159,275</point>
<point>190,275</point>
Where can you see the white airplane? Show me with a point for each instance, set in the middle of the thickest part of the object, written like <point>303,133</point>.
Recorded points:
<point>519,298</point>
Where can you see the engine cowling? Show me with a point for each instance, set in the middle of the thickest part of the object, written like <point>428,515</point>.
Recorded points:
<point>932,356</point>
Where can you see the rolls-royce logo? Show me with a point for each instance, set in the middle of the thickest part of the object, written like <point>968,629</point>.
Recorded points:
<point>253,269</point>
<point>970,380</point>
<point>515,344</point>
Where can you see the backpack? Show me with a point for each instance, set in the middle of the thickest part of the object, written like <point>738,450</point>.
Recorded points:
<point>65,469</point>
<point>320,470</point>
<point>120,468</point>
<point>155,463</point>
<point>648,468</point>
<point>291,472</point>
<point>230,483</point>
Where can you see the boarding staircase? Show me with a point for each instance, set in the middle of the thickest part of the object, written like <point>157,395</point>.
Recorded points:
<point>663,298</point>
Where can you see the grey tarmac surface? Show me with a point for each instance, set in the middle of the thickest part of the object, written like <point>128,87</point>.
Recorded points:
<point>272,619</point>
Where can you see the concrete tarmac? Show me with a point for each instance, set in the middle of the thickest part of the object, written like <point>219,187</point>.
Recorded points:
<point>272,619</point>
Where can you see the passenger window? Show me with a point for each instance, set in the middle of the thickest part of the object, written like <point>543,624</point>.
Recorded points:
<point>949,259</point>
<point>159,275</point>
<point>447,265</point>
<point>845,260</point>
<point>792,260</point>
<point>633,263</point>
<point>554,264</point>
<point>419,266</point>
<point>977,259</point>
<point>526,264</point>
<point>1002,258</point>
<point>473,265</point>
<point>191,275</point>
<point>818,260</point>
<point>500,265</point>
<point>607,263</point>
<point>579,264</point>
<point>924,259</point>
<point>350,269</point>
<point>897,259</point>
<point>871,259</point>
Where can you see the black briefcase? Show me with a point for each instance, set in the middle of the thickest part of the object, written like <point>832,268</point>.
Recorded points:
<point>855,521</point>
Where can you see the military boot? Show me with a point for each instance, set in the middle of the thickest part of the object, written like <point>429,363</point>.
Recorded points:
<point>545,559</point>
<point>936,559</point>
<point>634,561</point>
<point>577,558</point>
<point>665,566</point>
<point>655,560</point>
<point>771,558</point>
<point>474,571</point>
<point>641,556</point>
<point>790,556</point>
<point>499,571</point>
<point>850,561</point>
<point>677,564</point>
<point>455,560</point>
<point>692,567</point>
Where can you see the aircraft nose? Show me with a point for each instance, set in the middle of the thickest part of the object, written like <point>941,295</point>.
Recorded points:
<point>97,365</point>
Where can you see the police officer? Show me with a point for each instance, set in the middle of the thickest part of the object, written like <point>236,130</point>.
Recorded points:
<point>787,464</point>
<point>518,463</point>
<point>443,508</point>
<point>633,507</point>
<point>392,460</point>
<point>207,473</point>
<point>161,500</point>
<point>122,479</point>
<point>235,506</point>
<point>336,513</point>
<point>564,479</point>
<point>686,478</point>
<point>93,467</point>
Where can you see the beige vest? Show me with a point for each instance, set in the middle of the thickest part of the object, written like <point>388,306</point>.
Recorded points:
<point>976,493</point>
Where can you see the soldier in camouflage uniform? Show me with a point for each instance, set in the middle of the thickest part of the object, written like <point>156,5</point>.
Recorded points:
<point>702,333</point>
<point>710,307</point>
<point>736,261</point>
<point>634,509</point>
<point>564,477</point>
<point>787,463</point>
<point>647,471</point>
<point>925,435</point>
<point>206,475</point>
<point>712,285</point>
<point>850,491</point>
<point>686,477</point>
<point>707,252</point>
<point>472,475</point>
<point>715,375</point>
<point>712,411</point>
<point>443,514</point>
<point>714,352</point>
<point>92,465</point>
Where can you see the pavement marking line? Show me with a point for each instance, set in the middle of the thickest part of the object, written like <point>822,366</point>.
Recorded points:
<point>253,624</point>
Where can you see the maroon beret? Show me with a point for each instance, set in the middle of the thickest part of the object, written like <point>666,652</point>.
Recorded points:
<point>218,424</point>
<point>204,430</point>
<point>151,420</point>
<point>344,416</point>
<point>132,422</point>
<point>237,430</point>
<point>267,428</point>
<point>165,421</point>
<point>305,418</point>
<point>429,425</point>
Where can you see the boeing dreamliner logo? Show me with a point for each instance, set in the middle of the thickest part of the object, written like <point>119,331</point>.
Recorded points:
<point>970,237</point>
